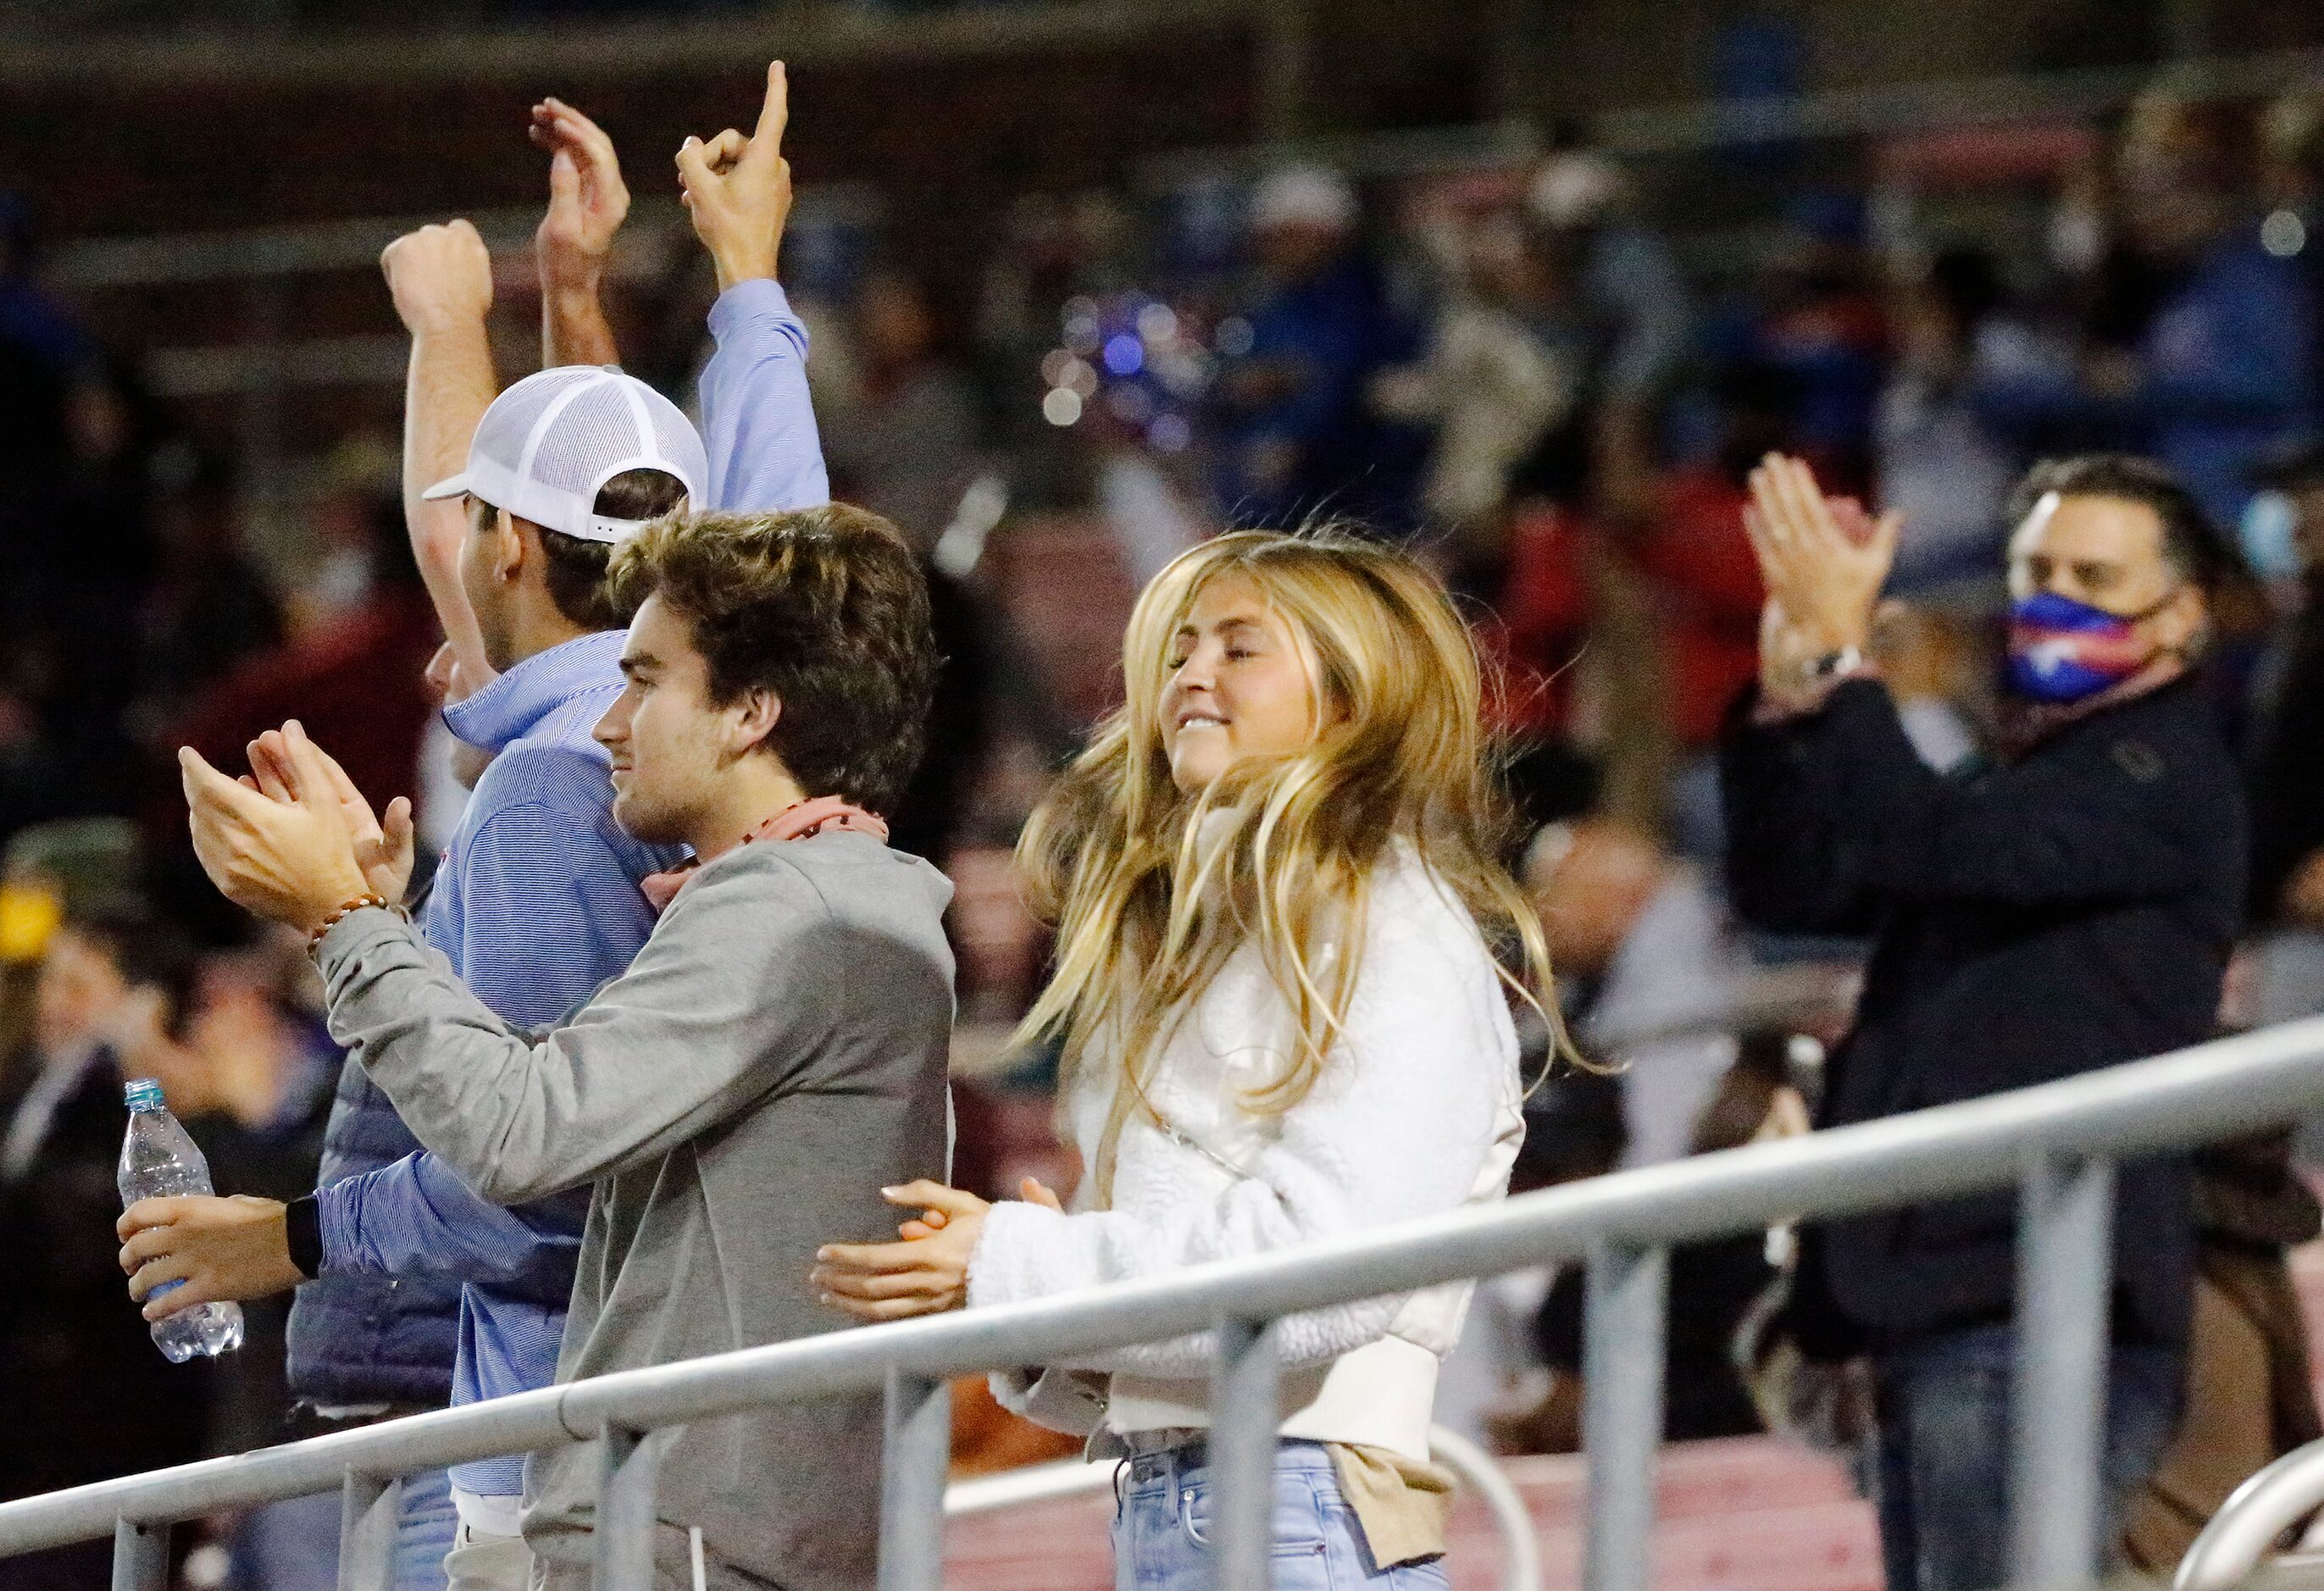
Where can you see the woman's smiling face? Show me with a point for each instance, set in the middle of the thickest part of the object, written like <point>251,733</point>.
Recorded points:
<point>1239,685</point>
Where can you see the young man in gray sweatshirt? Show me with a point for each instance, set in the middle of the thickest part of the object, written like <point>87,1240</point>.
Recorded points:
<point>773,1058</point>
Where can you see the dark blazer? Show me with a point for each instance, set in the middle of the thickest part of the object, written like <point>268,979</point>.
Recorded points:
<point>2287,780</point>
<point>2066,911</point>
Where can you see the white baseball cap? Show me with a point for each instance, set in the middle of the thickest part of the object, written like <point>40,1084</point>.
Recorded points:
<point>551,442</point>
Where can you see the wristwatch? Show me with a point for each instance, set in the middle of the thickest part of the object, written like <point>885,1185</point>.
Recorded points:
<point>1832,665</point>
<point>302,1234</point>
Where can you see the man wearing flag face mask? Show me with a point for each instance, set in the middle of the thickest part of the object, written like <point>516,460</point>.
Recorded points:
<point>2069,907</point>
<point>2107,592</point>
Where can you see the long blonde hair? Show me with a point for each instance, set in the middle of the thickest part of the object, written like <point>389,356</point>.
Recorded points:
<point>1151,889</point>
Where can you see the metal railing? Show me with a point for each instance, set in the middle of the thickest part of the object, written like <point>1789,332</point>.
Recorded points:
<point>2059,1142</point>
<point>2240,1541</point>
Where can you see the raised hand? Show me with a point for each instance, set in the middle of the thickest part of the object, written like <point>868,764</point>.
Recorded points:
<point>738,189</point>
<point>440,277</point>
<point>1823,561</point>
<point>588,199</point>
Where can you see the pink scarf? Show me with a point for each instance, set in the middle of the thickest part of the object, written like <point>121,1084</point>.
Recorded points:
<point>797,821</point>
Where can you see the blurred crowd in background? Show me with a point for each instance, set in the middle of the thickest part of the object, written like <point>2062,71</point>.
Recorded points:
<point>1509,365</point>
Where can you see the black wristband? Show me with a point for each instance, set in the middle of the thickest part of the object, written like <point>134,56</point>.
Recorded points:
<point>302,1234</point>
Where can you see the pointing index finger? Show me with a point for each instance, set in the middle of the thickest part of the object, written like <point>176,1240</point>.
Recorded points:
<point>775,114</point>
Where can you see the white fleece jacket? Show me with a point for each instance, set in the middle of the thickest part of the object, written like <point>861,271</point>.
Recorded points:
<point>1418,1111</point>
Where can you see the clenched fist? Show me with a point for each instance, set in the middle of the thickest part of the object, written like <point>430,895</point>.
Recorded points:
<point>440,276</point>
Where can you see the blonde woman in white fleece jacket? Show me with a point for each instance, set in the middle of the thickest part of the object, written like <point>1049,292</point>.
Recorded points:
<point>1274,878</point>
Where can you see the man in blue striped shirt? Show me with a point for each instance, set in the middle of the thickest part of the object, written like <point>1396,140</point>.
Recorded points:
<point>537,903</point>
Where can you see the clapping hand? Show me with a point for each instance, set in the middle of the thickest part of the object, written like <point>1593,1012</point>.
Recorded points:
<point>383,848</point>
<point>588,199</point>
<point>448,680</point>
<point>1823,561</point>
<point>738,189</point>
<point>285,848</point>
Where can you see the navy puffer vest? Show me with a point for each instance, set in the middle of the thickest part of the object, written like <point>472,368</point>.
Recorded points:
<point>370,1340</point>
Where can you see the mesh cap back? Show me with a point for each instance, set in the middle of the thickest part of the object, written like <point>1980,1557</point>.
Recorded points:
<point>548,444</point>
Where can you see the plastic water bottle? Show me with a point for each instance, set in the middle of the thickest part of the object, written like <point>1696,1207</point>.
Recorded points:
<point>159,1160</point>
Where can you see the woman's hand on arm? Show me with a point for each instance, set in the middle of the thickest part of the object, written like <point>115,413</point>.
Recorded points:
<point>925,1274</point>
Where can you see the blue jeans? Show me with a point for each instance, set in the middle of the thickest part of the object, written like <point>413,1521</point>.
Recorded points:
<point>1941,1480</point>
<point>1161,1528</point>
<point>292,1545</point>
<point>423,1533</point>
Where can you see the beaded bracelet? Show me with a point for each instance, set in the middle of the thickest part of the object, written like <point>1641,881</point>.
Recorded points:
<point>368,898</point>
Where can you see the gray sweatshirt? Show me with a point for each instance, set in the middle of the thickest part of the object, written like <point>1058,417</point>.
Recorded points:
<point>773,1057</point>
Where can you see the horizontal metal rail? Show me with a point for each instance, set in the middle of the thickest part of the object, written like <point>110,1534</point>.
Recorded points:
<point>2242,1535</point>
<point>615,50</point>
<point>315,247</point>
<point>2047,1135</point>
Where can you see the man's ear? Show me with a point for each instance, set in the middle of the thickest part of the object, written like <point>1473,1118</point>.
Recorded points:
<point>515,542</point>
<point>2191,615</point>
<point>760,712</point>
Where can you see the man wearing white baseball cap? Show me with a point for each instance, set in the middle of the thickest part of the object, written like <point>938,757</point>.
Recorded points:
<point>537,903</point>
<point>550,445</point>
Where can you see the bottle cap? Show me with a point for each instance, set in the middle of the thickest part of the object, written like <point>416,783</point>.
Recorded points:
<point>143,1093</point>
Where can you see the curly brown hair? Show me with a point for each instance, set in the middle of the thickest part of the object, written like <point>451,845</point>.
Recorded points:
<point>825,607</point>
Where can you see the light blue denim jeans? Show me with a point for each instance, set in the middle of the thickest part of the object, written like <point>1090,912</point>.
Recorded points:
<point>423,1531</point>
<point>294,1545</point>
<point>1161,1528</point>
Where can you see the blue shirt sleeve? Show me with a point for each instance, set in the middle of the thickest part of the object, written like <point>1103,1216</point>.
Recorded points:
<point>765,451</point>
<point>549,907</point>
<point>414,1217</point>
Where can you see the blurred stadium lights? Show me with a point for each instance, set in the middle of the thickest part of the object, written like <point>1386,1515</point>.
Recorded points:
<point>290,251</point>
